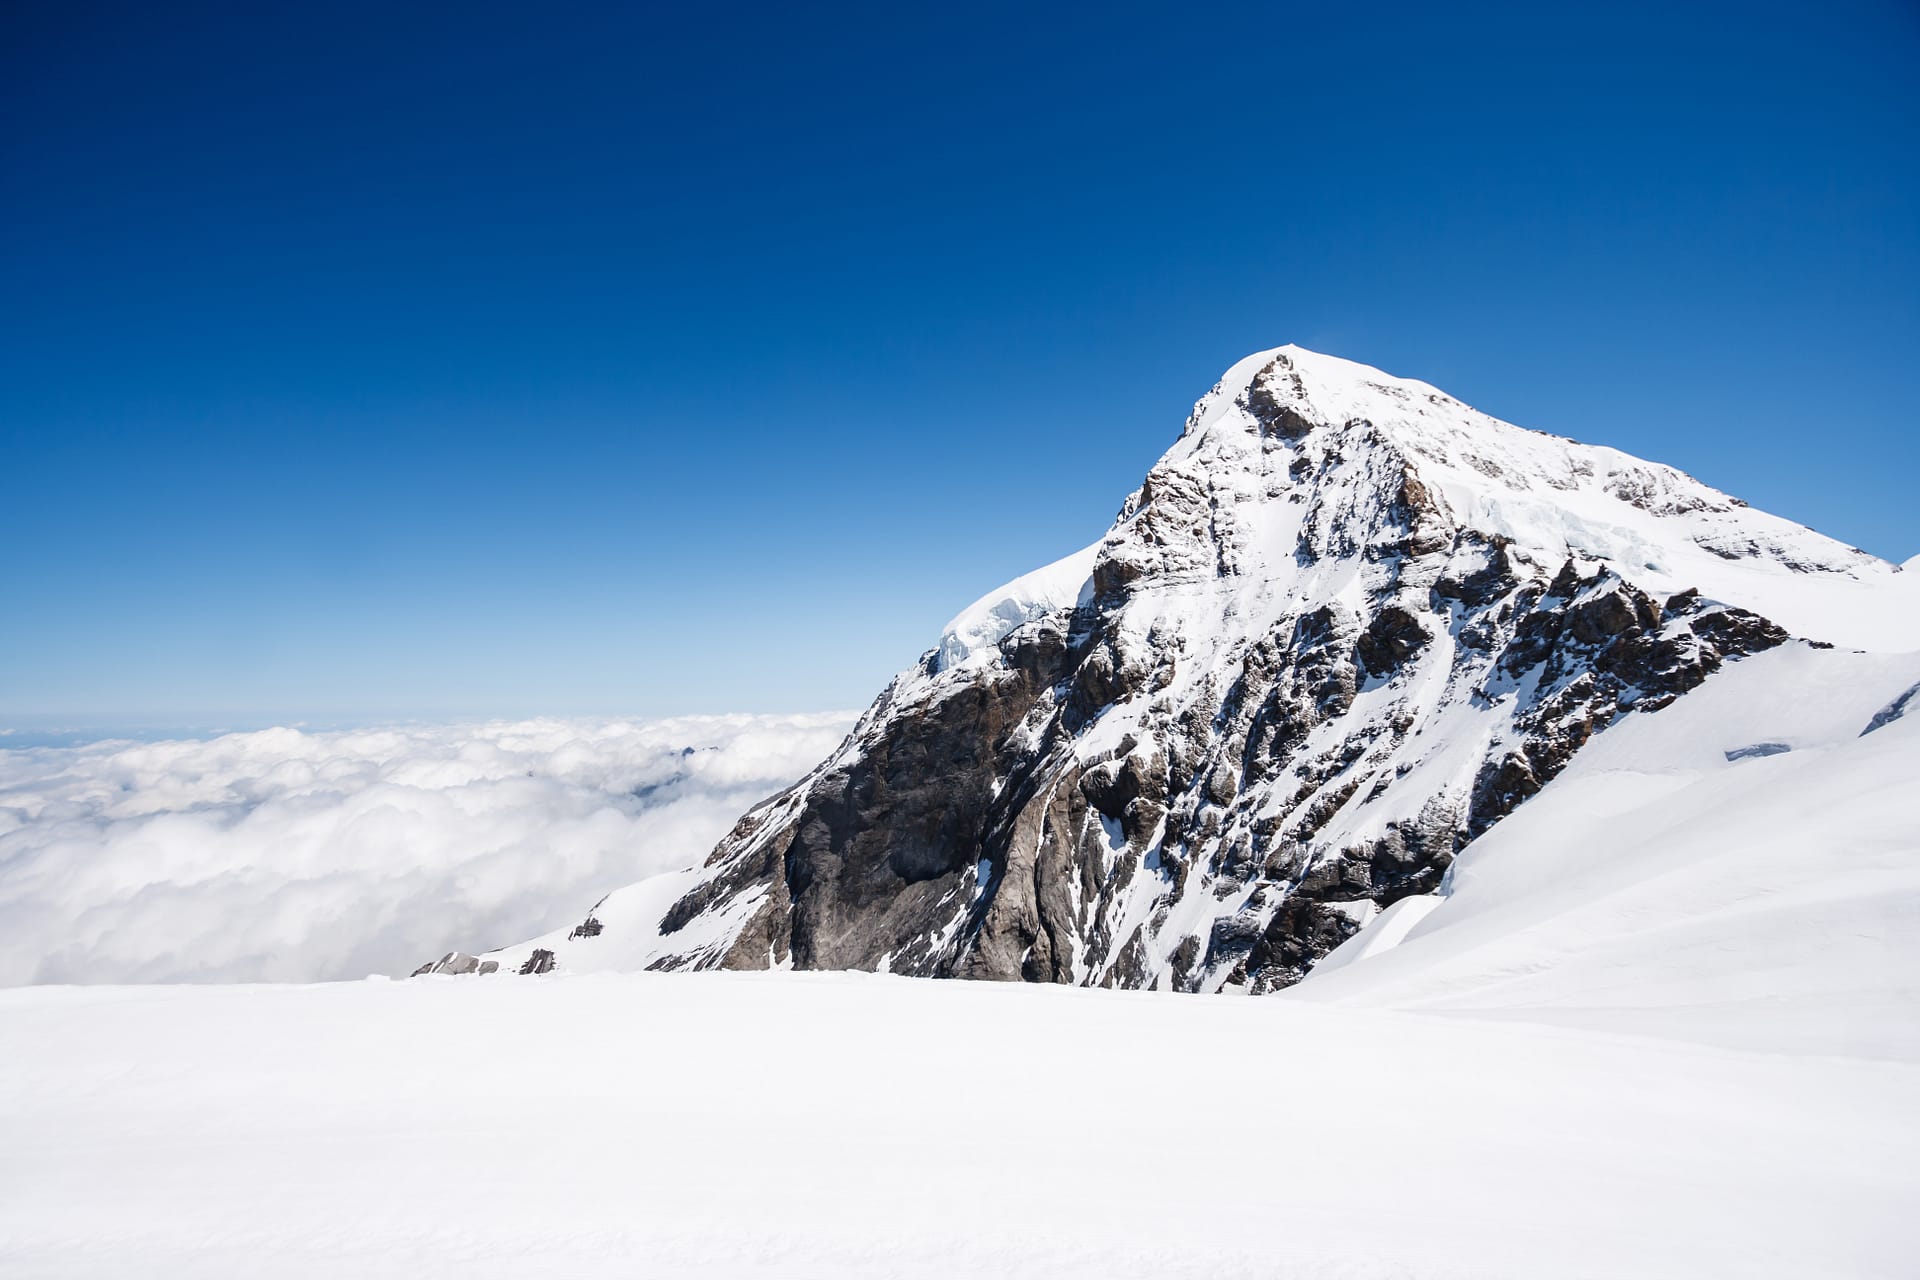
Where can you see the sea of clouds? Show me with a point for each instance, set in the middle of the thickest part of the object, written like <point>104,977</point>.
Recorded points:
<point>295,856</point>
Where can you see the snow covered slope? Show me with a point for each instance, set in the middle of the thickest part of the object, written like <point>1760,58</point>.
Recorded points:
<point>796,1126</point>
<point>1740,868</point>
<point>1346,626</point>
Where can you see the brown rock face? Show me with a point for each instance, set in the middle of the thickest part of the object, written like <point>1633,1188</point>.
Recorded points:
<point>987,828</point>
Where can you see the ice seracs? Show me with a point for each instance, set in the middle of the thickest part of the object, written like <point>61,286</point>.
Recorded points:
<point>1346,625</point>
<point>982,625</point>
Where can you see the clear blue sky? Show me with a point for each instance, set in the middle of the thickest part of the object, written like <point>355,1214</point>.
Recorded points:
<point>357,363</point>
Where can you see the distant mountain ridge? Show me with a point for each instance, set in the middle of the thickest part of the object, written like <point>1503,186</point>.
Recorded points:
<point>1346,625</point>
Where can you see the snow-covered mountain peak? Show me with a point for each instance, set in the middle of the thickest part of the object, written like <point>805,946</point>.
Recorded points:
<point>1369,461</point>
<point>1326,389</point>
<point>1301,473</point>
<point>1346,624</point>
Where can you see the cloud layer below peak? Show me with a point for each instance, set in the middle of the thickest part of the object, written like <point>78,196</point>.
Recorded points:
<point>284,855</point>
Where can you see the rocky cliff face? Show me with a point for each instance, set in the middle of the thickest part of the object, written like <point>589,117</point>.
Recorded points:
<point>1345,626</point>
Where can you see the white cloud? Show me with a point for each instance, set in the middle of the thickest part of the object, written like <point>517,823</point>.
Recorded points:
<point>290,856</point>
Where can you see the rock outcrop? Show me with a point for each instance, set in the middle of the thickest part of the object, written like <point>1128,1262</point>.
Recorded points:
<point>457,963</point>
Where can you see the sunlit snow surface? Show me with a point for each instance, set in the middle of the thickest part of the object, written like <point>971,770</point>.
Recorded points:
<point>799,1125</point>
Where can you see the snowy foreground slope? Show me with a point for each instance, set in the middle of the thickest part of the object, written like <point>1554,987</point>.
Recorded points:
<point>849,1125</point>
<point>1345,627</point>
<point>1741,868</point>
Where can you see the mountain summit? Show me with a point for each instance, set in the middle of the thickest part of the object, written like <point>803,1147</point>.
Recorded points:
<point>1345,626</point>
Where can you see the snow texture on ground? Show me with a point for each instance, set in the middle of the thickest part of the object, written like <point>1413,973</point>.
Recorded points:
<point>799,1125</point>
<point>290,856</point>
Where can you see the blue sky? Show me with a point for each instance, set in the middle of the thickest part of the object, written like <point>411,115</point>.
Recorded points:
<point>504,360</point>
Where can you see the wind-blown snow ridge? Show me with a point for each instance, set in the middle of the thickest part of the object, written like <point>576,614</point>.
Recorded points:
<point>982,625</point>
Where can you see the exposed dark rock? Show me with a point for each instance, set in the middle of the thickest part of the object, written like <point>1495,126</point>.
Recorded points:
<point>1594,648</point>
<point>1390,639</point>
<point>455,963</point>
<point>1274,400</point>
<point>1302,931</point>
<point>874,865</point>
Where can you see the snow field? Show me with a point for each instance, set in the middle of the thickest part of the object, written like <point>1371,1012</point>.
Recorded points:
<point>799,1125</point>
